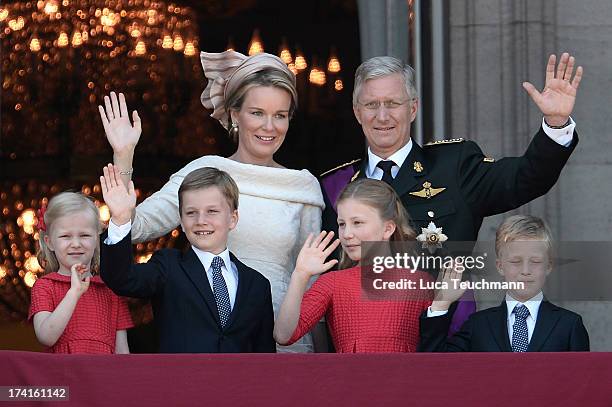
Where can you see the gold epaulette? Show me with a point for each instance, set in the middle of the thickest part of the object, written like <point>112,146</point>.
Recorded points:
<point>340,166</point>
<point>449,141</point>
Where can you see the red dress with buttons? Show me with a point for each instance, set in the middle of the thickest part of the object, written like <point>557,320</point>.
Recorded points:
<point>97,317</point>
<point>361,323</point>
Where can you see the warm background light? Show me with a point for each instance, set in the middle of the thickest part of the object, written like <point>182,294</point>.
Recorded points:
<point>105,214</point>
<point>333,65</point>
<point>29,279</point>
<point>338,85</point>
<point>317,77</point>
<point>256,45</point>
<point>144,258</point>
<point>19,266</point>
<point>27,221</point>
<point>300,62</point>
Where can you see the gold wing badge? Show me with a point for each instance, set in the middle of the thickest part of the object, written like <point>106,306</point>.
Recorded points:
<point>427,191</point>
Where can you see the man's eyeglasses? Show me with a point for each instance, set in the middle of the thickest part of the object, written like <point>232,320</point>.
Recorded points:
<point>388,104</point>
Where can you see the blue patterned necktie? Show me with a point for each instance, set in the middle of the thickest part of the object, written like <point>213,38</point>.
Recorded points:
<point>386,166</point>
<point>220,291</point>
<point>520,335</point>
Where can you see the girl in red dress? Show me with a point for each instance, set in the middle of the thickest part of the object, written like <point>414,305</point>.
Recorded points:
<point>368,211</point>
<point>73,311</point>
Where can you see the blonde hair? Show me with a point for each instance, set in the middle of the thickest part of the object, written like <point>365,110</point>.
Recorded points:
<point>522,227</point>
<point>207,177</point>
<point>381,197</point>
<point>267,77</point>
<point>64,204</point>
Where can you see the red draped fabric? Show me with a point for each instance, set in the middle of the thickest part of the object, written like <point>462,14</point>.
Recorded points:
<point>476,379</point>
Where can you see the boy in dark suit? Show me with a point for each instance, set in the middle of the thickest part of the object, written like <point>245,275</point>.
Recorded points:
<point>525,321</point>
<point>204,300</point>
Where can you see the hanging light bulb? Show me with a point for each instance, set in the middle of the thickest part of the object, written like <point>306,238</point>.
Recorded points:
<point>34,44</point>
<point>189,49</point>
<point>300,61</point>
<point>321,79</point>
<point>338,85</point>
<point>109,18</point>
<point>77,39</point>
<point>141,48</point>
<point>167,42</point>
<point>292,68</point>
<point>29,279</point>
<point>333,65</point>
<point>51,7</point>
<point>178,43</point>
<point>255,46</point>
<point>312,77</point>
<point>317,76</point>
<point>17,24</point>
<point>31,264</point>
<point>62,40</point>
<point>284,52</point>
<point>27,220</point>
<point>135,30</point>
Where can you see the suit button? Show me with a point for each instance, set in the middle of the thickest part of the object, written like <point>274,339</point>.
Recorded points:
<point>431,214</point>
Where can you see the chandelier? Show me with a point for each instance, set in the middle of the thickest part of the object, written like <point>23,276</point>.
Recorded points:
<point>61,57</point>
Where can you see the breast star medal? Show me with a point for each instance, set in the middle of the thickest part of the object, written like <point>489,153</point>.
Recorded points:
<point>431,237</point>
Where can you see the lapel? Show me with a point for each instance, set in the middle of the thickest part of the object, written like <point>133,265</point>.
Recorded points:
<point>408,176</point>
<point>245,279</point>
<point>498,322</point>
<point>546,321</point>
<point>195,271</point>
<point>361,172</point>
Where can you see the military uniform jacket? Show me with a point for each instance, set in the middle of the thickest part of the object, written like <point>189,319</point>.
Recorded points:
<point>453,184</point>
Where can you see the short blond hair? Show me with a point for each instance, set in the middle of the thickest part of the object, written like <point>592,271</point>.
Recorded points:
<point>65,204</point>
<point>519,227</point>
<point>207,177</point>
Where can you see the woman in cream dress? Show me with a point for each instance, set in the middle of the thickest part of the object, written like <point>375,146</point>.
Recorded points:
<point>254,98</point>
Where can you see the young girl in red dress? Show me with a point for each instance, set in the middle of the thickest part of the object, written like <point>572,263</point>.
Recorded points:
<point>72,309</point>
<point>368,211</point>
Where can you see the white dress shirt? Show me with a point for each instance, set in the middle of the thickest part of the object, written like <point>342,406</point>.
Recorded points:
<point>562,136</point>
<point>230,277</point>
<point>117,233</point>
<point>372,171</point>
<point>532,304</point>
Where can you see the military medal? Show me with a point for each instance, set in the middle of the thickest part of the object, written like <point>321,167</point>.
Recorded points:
<point>432,237</point>
<point>427,191</point>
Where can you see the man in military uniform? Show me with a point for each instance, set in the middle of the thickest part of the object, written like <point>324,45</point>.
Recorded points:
<point>451,182</point>
<point>449,186</point>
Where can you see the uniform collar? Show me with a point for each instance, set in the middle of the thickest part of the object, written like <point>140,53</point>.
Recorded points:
<point>398,157</point>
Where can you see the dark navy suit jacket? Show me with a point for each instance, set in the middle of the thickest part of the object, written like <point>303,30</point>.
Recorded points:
<point>184,305</point>
<point>556,330</point>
